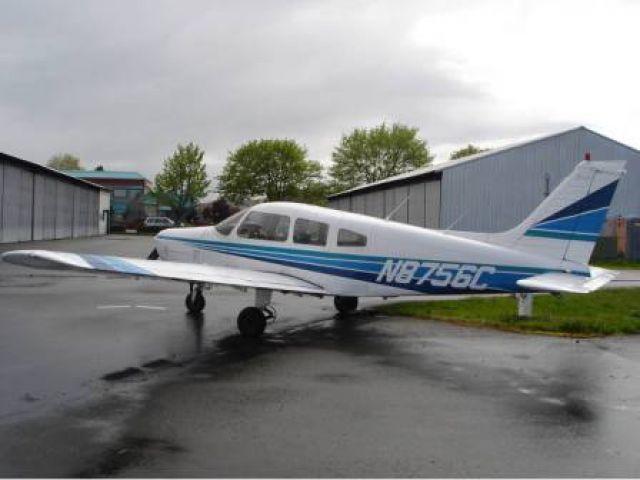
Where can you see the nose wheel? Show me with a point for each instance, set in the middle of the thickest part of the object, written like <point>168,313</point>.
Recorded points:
<point>194,301</point>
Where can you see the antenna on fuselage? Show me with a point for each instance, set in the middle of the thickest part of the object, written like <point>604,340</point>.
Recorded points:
<point>398,207</point>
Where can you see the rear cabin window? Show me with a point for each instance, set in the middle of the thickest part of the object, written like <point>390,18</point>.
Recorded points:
<point>225,226</point>
<point>309,232</point>
<point>265,226</point>
<point>349,238</point>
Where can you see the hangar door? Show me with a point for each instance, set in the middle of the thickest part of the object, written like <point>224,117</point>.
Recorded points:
<point>424,204</point>
<point>17,198</point>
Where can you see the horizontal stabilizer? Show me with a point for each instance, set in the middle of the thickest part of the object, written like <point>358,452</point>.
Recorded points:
<point>568,283</point>
<point>185,272</point>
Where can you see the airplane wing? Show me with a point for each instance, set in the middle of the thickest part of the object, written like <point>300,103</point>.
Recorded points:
<point>568,283</point>
<point>185,272</point>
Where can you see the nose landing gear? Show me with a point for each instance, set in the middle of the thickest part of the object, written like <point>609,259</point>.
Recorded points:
<point>195,302</point>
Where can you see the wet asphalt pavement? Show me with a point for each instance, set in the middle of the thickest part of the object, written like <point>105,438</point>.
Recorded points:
<point>109,377</point>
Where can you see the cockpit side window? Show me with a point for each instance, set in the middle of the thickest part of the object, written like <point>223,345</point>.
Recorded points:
<point>349,238</point>
<point>225,226</point>
<point>310,232</point>
<point>265,226</point>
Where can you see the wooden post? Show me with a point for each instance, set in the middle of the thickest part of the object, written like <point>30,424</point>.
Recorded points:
<point>525,305</point>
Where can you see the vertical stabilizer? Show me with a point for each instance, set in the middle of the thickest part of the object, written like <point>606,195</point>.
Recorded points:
<point>567,224</point>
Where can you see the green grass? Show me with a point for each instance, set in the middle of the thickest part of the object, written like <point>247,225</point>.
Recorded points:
<point>605,312</point>
<point>617,264</point>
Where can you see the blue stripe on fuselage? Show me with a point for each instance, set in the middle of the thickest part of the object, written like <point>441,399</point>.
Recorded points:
<point>362,267</point>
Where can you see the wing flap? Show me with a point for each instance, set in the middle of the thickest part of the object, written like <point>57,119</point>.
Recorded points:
<point>186,272</point>
<point>568,283</point>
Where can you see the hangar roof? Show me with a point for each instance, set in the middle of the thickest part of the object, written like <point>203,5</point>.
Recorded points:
<point>437,169</point>
<point>110,174</point>
<point>36,167</point>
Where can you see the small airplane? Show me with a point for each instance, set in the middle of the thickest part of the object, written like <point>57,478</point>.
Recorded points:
<point>309,250</point>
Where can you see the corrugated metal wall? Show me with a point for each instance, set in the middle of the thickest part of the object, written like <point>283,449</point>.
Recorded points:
<point>64,210</point>
<point>17,196</point>
<point>498,191</point>
<point>626,201</point>
<point>422,208</point>
<point>36,206</point>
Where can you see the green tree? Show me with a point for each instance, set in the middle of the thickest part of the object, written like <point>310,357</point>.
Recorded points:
<point>275,168</point>
<point>183,180</point>
<point>366,156</point>
<point>466,151</point>
<point>64,161</point>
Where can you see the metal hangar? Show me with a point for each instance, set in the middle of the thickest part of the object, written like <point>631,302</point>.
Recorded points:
<point>39,203</point>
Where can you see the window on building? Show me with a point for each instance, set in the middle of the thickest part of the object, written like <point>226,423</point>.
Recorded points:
<point>265,226</point>
<point>120,193</point>
<point>308,232</point>
<point>349,238</point>
<point>228,224</point>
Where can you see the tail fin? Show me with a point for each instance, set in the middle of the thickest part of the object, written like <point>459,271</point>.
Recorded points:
<point>567,224</point>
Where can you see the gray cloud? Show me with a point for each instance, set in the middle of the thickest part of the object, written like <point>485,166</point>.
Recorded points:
<point>120,83</point>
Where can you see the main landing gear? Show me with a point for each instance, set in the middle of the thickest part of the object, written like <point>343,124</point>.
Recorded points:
<point>195,300</point>
<point>345,305</point>
<point>253,320</point>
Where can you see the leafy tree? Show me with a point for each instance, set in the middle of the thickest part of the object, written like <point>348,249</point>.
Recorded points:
<point>315,192</point>
<point>64,161</point>
<point>99,168</point>
<point>366,156</point>
<point>277,169</point>
<point>183,180</point>
<point>466,151</point>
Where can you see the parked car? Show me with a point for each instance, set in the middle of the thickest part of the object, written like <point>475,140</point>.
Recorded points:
<point>155,224</point>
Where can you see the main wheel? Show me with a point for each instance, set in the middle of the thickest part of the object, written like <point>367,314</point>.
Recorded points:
<point>195,304</point>
<point>251,322</point>
<point>345,304</point>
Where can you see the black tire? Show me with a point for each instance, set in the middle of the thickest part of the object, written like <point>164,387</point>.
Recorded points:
<point>153,255</point>
<point>346,304</point>
<point>195,305</point>
<point>251,322</point>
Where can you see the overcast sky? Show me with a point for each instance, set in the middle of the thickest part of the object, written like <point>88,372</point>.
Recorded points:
<point>120,83</point>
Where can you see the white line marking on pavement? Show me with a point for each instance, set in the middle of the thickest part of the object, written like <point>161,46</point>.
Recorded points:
<point>105,307</point>
<point>553,401</point>
<point>526,391</point>
<point>150,307</point>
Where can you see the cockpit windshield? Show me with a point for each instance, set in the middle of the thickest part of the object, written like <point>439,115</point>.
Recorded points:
<point>265,226</point>
<point>228,224</point>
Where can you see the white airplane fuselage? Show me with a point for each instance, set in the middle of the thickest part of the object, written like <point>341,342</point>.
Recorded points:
<point>398,259</point>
